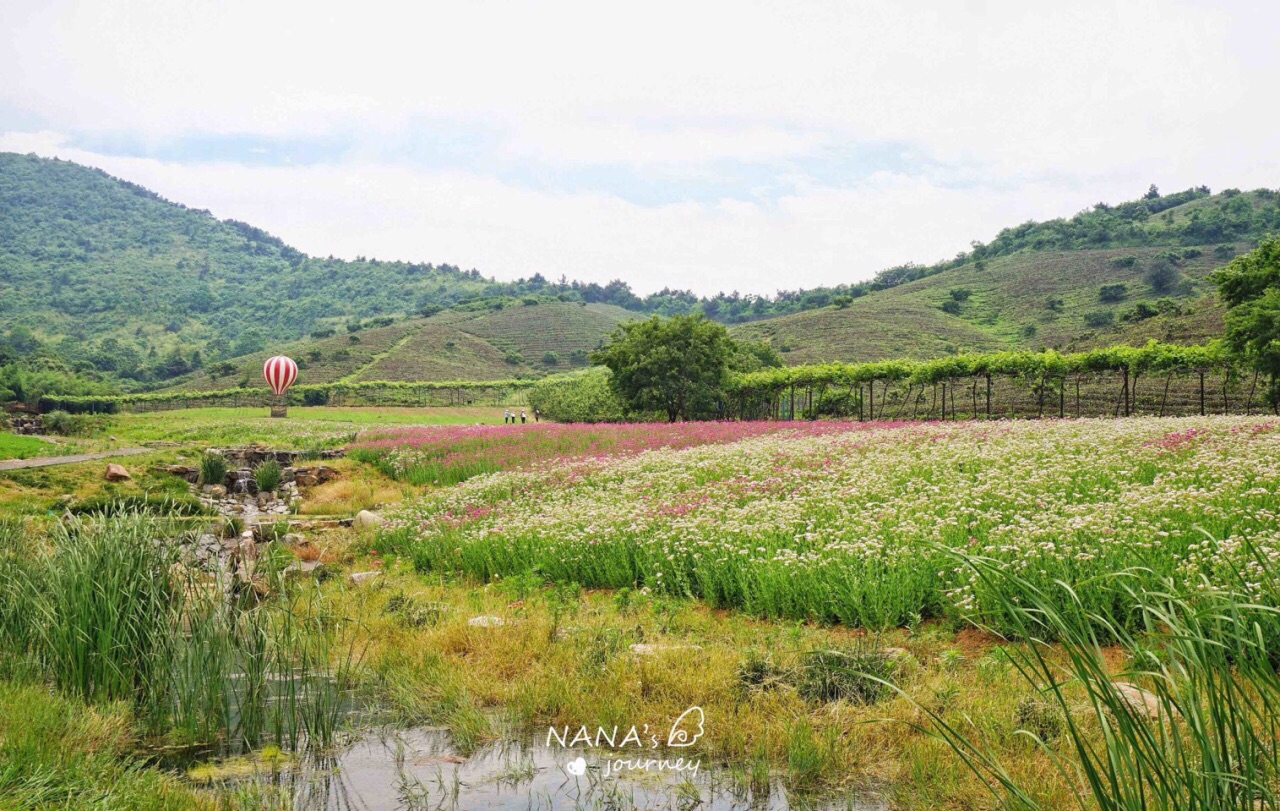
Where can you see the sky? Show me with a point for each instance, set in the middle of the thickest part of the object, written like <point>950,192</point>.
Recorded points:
<point>707,145</point>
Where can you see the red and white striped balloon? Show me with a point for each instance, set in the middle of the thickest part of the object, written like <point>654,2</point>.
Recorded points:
<point>279,372</point>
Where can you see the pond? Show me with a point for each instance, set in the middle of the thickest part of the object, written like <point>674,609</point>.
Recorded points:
<point>420,769</point>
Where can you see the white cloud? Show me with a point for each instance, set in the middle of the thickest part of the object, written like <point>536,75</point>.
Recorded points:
<point>1023,110</point>
<point>816,236</point>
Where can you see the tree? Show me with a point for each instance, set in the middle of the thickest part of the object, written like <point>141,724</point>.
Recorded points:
<point>1250,287</point>
<point>1162,275</point>
<point>676,365</point>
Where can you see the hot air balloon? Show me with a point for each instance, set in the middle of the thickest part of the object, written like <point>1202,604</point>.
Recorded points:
<point>279,372</point>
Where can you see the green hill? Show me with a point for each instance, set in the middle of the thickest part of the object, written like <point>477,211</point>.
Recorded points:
<point>1025,290</point>
<point>105,278</point>
<point>484,345</point>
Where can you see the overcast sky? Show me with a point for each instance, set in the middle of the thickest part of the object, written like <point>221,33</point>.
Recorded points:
<point>705,145</point>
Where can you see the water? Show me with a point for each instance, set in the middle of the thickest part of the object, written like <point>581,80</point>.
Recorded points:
<point>419,769</point>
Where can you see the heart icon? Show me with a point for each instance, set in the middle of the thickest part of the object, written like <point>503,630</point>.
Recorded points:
<point>576,768</point>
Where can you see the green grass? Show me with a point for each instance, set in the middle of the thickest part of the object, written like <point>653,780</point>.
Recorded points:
<point>13,446</point>
<point>304,427</point>
<point>57,752</point>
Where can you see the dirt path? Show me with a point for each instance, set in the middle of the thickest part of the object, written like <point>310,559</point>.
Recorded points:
<point>46,461</point>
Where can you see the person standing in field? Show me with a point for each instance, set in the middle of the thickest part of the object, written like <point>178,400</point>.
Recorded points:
<point>537,415</point>
<point>523,419</point>
<point>506,416</point>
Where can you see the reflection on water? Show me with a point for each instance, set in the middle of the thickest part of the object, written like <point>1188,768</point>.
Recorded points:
<point>419,770</point>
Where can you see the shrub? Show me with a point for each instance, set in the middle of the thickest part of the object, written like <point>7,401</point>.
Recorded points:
<point>213,468</point>
<point>951,307</point>
<point>550,359</point>
<point>315,397</point>
<point>514,358</point>
<point>323,333</point>
<point>1053,304</point>
<point>851,674</point>
<point>1099,318</point>
<point>64,424</point>
<point>1039,716</point>
<point>1139,312</point>
<point>1124,261</point>
<point>1112,292</point>
<point>579,397</point>
<point>1162,275</point>
<point>960,294</point>
<point>267,475</point>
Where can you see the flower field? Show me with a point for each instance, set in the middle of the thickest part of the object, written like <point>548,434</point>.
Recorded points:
<point>444,455</point>
<point>852,522</point>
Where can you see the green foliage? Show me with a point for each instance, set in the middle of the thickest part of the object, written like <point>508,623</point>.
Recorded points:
<point>267,475</point>
<point>583,396</point>
<point>64,424</point>
<point>1111,293</point>
<point>1097,319</point>
<point>213,468</point>
<point>677,365</point>
<point>1205,658</point>
<point>860,675</point>
<point>1162,275</point>
<point>951,307</point>
<point>1250,286</point>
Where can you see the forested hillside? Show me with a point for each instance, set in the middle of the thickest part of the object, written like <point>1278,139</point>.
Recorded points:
<point>103,278</point>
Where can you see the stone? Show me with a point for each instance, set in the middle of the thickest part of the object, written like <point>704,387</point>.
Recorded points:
<point>486,621</point>
<point>292,539</point>
<point>304,568</point>
<point>359,578</point>
<point>116,473</point>
<point>217,491</point>
<point>265,499</point>
<point>1141,703</point>
<point>188,472</point>
<point>366,520</point>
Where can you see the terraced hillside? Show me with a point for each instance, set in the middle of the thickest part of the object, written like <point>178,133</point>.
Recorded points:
<point>1030,299</point>
<point>525,340</point>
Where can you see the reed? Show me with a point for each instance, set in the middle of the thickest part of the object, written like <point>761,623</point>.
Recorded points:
<point>1208,735</point>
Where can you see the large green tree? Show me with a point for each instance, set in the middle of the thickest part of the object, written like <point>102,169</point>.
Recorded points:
<point>1250,287</point>
<point>674,365</point>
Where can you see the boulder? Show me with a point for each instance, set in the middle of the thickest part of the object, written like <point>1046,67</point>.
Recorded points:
<point>1142,703</point>
<point>292,539</point>
<point>359,578</point>
<point>188,472</point>
<point>116,473</point>
<point>366,520</point>
<point>486,621</point>
<point>217,491</point>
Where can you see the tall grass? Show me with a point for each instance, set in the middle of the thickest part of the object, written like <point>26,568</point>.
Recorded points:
<point>267,475</point>
<point>110,614</point>
<point>1210,737</point>
<point>213,468</point>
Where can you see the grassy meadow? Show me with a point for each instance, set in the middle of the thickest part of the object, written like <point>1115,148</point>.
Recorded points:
<point>936,614</point>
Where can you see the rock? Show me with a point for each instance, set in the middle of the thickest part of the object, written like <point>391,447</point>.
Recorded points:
<point>648,649</point>
<point>265,499</point>
<point>217,491</point>
<point>116,473</point>
<point>1142,703</point>
<point>292,539</point>
<point>366,520</point>
<point>358,578</point>
<point>191,474</point>
<point>486,621</point>
<point>304,568</point>
<point>113,439</point>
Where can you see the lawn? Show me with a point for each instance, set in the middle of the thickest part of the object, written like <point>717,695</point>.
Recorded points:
<point>305,426</point>
<point>25,447</point>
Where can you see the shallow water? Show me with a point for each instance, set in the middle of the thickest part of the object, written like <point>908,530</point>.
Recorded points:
<point>419,769</point>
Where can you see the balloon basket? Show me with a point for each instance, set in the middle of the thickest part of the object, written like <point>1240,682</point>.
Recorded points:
<point>279,410</point>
